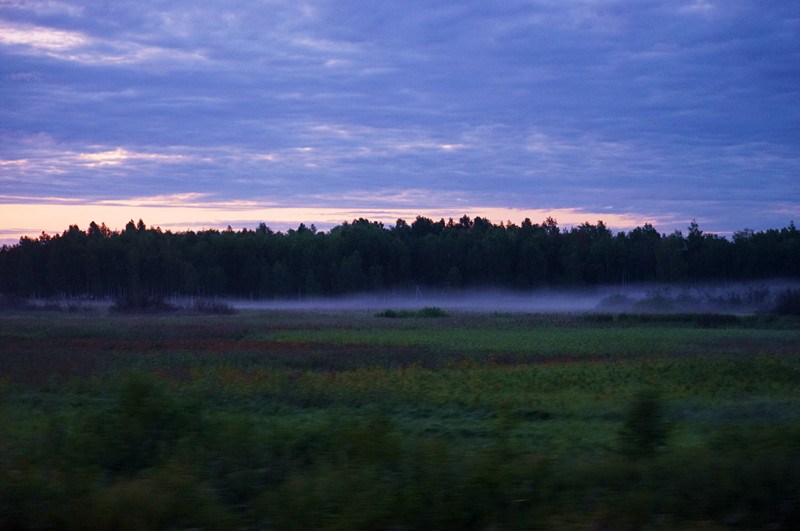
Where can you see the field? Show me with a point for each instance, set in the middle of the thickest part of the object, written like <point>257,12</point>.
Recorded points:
<point>348,420</point>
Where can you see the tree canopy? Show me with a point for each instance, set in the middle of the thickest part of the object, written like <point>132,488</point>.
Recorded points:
<point>364,255</point>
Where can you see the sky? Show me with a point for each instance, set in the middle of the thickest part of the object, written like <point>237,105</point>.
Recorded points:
<point>203,114</point>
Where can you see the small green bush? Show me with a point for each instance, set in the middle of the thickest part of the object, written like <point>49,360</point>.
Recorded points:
<point>644,428</point>
<point>428,311</point>
<point>139,428</point>
<point>431,311</point>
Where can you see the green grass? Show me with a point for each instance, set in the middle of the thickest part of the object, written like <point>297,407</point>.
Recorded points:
<point>586,342</point>
<point>345,420</point>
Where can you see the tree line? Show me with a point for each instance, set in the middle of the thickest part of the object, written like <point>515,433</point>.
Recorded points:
<point>364,255</point>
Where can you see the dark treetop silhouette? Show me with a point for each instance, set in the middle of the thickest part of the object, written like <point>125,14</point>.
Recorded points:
<point>363,255</point>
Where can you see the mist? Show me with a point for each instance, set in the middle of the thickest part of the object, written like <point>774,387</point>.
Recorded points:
<point>727,297</point>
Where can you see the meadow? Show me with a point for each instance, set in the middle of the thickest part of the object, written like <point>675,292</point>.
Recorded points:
<point>399,420</point>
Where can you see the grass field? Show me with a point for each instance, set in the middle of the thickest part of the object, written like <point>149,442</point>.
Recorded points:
<point>343,420</point>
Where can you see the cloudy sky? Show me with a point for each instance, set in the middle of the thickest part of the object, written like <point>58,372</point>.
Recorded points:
<point>194,114</point>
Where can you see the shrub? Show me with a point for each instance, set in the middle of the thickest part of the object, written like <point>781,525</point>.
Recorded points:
<point>138,429</point>
<point>644,428</point>
<point>171,496</point>
<point>429,311</point>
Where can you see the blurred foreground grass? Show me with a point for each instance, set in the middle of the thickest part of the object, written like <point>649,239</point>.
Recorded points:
<point>339,421</point>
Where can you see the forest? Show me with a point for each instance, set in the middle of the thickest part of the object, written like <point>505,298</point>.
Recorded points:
<point>364,255</point>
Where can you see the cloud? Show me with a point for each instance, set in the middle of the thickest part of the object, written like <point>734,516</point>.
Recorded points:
<point>120,156</point>
<point>80,47</point>
<point>18,162</point>
<point>47,7</point>
<point>25,77</point>
<point>43,39</point>
<point>670,110</point>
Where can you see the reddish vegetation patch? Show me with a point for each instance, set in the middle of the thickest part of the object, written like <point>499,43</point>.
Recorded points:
<point>36,361</point>
<point>219,346</point>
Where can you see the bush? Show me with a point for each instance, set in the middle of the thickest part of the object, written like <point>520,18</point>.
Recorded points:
<point>644,428</point>
<point>171,496</point>
<point>138,429</point>
<point>429,311</point>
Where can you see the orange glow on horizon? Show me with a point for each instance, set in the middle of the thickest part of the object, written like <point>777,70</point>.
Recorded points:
<point>175,213</point>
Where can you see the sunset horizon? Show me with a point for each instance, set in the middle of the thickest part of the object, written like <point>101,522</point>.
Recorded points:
<point>176,214</point>
<point>622,112</point>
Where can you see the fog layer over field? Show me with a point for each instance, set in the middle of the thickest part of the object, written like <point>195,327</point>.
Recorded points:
<point>735,298</point>
<point>472,300</point>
